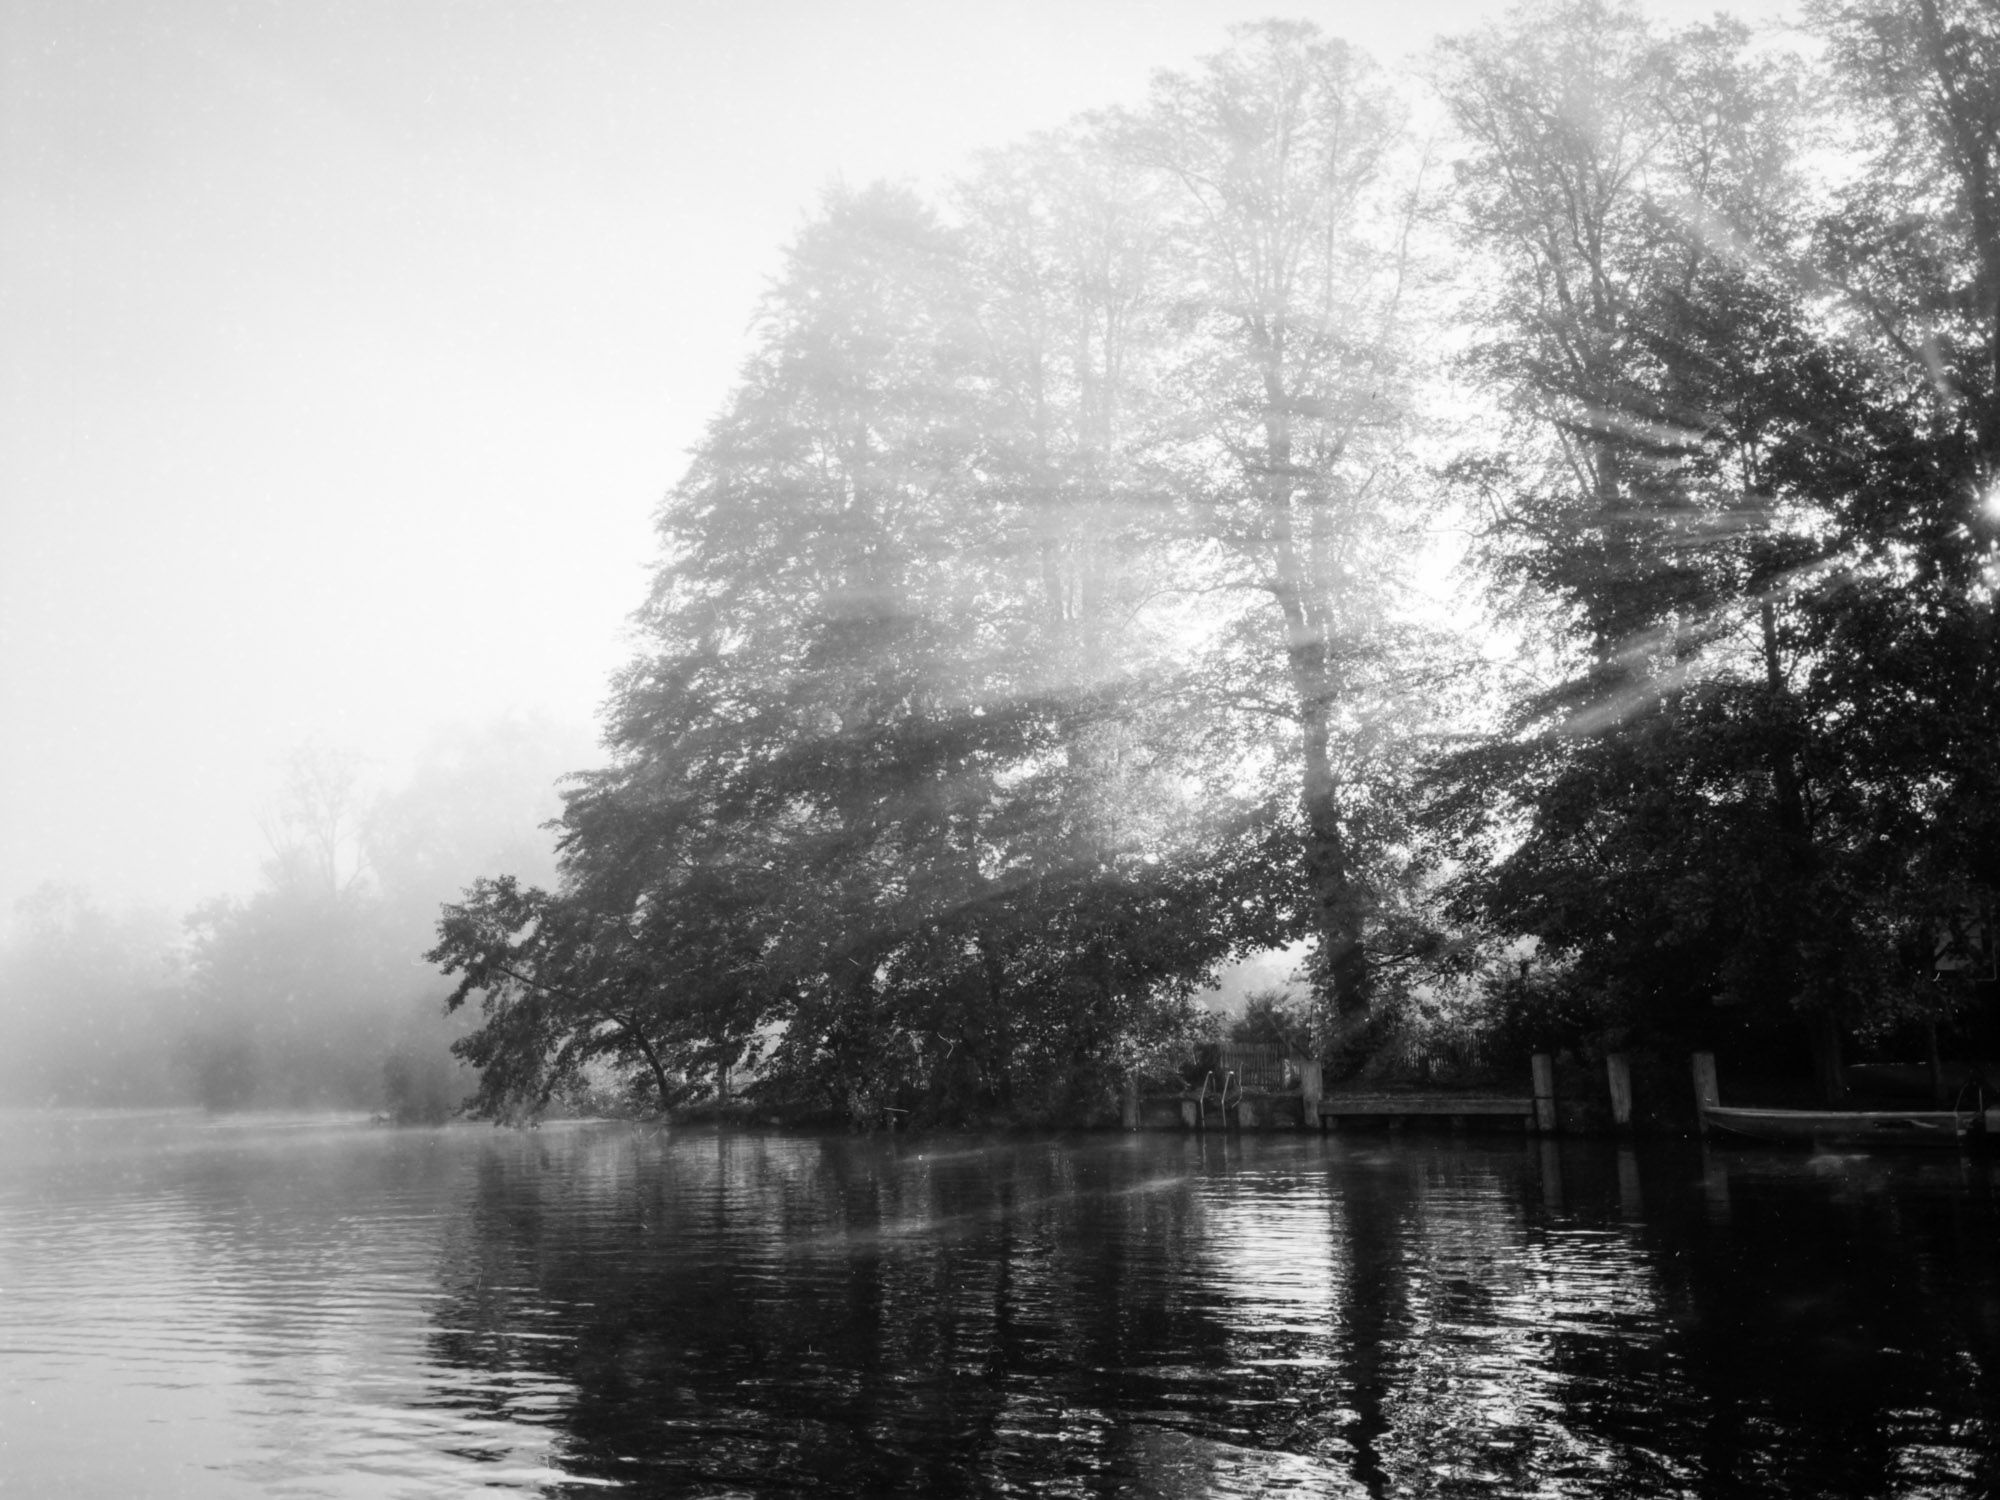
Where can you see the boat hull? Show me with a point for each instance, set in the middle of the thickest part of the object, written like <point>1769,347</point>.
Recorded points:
<point>1844,1127</point>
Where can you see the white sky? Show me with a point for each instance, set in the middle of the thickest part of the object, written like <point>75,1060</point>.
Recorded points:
<point>347,346</point>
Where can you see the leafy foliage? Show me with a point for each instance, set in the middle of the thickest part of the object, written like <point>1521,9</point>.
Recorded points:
<point>1032,628</point>
<point>1755,788</point>
<point>942,781</point>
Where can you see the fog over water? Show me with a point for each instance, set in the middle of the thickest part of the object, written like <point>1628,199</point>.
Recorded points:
<point>345,352</point>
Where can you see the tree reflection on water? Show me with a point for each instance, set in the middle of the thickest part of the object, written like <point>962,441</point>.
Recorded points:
<point>1187,1316</point>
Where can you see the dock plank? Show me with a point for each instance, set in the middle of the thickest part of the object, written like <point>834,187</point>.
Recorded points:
<point>1421,1104</point>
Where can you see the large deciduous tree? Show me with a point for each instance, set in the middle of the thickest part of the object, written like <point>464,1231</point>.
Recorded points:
<point>1909,258</point>
<point>1287,202</point>
<point>934,779</point>
<point>881,789</point>
<point>1754,506</point>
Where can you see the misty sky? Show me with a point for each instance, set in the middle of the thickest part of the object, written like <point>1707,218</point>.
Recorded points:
<point>346,348</point>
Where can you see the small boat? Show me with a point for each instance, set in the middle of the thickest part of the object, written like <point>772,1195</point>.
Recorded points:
<point>1852,1127</point>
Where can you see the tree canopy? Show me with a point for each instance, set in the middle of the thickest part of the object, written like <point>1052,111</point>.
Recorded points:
<point>1019,627</point>
<point>1036,626</point>
<point>1752,481</point>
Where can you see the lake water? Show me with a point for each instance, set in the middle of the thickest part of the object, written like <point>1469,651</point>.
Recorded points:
<point>321,1308</point>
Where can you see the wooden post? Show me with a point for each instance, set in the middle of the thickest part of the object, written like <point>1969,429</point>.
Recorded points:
<point>1311,1088</point>
<point>1706,1094</point>
<point>1128,1105</point>
<point>1552,1176</point>
<point>1823,1032</point>
<point>1629,1202</point>
<point>1618,1071</point>
<point>1715,1185</point>
<point>1545,1092</point>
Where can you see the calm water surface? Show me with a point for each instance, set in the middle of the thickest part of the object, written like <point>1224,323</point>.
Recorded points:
<point>287,1308</point>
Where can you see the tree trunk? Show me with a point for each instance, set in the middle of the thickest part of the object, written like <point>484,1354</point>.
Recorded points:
<point>1784,769</point>
<point>1336,914</point>
<point>637,1033</point>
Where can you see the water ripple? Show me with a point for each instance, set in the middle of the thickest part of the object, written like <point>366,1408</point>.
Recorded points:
<point>285,1307</point>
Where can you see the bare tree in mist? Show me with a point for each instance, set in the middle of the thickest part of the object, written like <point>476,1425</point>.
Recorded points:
<point>314,830</point>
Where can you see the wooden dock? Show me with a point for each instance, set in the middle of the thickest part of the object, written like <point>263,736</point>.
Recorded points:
<point>1536,1110</point>
<point>1429,1106</point>
<point>1254,1088</point>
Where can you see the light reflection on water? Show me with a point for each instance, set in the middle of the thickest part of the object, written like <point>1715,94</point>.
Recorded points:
<point>276,1307</point>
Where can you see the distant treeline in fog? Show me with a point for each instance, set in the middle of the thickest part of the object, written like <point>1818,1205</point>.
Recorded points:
<point>310,992</point>
<point>1547,565</point>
